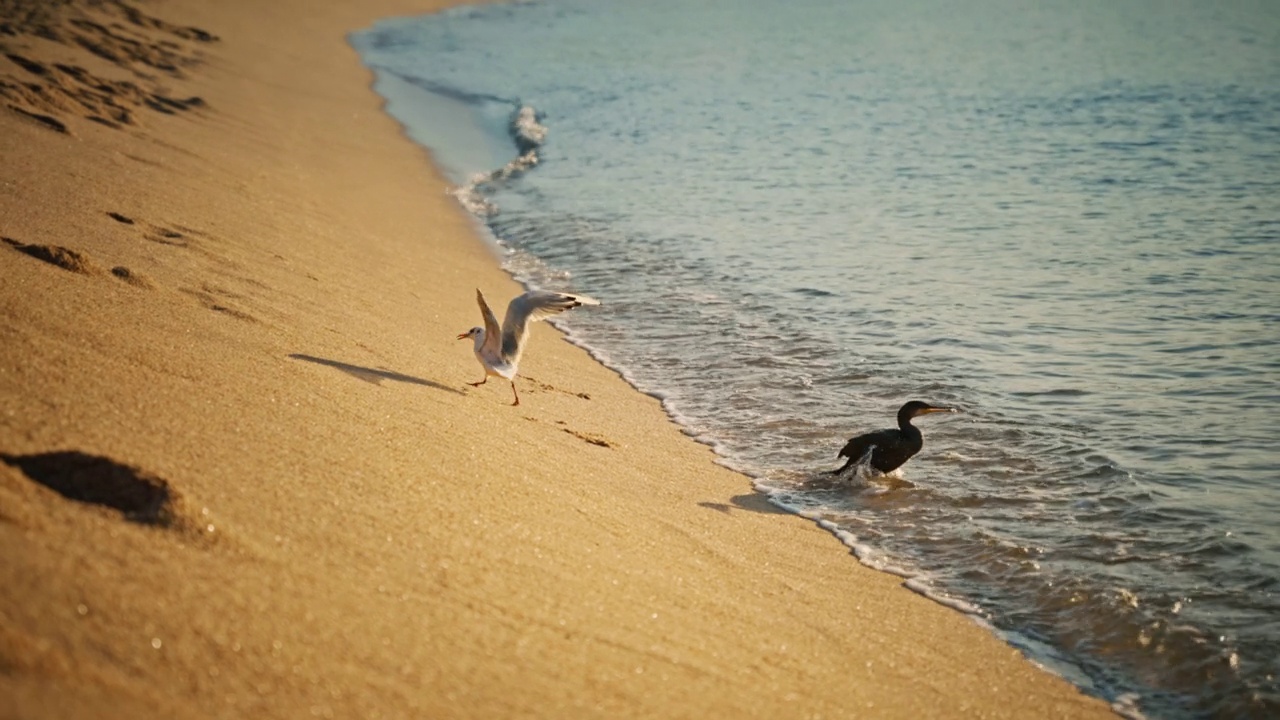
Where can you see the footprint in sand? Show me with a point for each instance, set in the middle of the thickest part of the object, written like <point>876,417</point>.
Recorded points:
<point>132,277</point>
<point>218,298</point>
<point>138,496</point>
<point>552,388</point>
<point>76,262</point>
<point>215,297</point>
<point>64,258</point>
<point>42,92</point>
<point>123,35</point>
<point>171,235</point>
<point>168,236</point>
<point>588,437</point>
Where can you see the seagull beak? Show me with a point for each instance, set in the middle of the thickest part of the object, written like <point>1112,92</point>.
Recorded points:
<point>464,336</point>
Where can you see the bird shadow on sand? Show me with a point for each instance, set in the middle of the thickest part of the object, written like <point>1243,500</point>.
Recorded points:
<point>755,502</point>
<point>373,375</point>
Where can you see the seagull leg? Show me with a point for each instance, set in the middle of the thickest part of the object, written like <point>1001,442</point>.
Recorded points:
<point>485,380</point>
<point>516,394</point>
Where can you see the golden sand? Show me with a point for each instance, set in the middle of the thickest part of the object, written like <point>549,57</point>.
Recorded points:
<point>242,476</point>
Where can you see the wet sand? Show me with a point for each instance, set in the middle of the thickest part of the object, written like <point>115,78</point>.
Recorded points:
<point>241,474</point>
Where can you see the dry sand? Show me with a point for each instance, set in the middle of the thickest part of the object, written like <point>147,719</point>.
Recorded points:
<point>229,290</point>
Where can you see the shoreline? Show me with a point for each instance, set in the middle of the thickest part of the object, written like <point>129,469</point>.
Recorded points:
<point>447,127</point>
<point>330,522</point>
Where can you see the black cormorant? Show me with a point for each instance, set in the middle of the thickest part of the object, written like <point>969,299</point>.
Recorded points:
<point>891,447</point>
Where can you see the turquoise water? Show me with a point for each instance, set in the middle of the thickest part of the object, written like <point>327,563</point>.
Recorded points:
<point>1064,220</point>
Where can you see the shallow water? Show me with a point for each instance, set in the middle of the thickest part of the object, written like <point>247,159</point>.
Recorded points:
<point>1063,220</point>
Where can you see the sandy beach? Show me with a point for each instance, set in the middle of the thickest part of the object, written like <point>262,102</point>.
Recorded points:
<point>241,472</point>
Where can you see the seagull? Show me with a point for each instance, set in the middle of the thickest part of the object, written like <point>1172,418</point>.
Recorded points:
<point>892,447</point>
<point>499,351</point>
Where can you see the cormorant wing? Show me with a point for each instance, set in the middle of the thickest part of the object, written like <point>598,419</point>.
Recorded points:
<point>858,446</point>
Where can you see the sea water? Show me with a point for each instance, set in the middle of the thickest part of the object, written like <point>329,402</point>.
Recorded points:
<point>1062,218</point>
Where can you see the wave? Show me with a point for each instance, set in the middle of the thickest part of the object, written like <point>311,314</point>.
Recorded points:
<point>524,128</point>
<point>528,133</point>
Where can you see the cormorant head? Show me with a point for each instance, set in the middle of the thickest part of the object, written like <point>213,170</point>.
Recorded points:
<point>916,408</point>
<point>473,332</point>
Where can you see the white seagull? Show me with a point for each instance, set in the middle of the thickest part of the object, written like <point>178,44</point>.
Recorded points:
<point>499,350</point>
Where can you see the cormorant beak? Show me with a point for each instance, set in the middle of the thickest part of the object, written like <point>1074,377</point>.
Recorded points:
<point>936,409</point>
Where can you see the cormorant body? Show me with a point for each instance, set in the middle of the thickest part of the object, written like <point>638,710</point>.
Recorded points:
<point>891,447</point>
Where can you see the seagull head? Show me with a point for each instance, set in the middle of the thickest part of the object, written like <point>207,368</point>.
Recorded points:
<point>474,332</point>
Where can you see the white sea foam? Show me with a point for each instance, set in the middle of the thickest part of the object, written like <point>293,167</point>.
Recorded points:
<point>529,134</point>
<point>920,586</point>
<point>1126,706</point>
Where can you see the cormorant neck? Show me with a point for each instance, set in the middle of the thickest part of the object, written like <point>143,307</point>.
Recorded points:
<point>909,431</point>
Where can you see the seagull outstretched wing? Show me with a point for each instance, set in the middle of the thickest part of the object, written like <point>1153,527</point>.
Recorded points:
<point>530,307</point>
<point>492,332</point>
